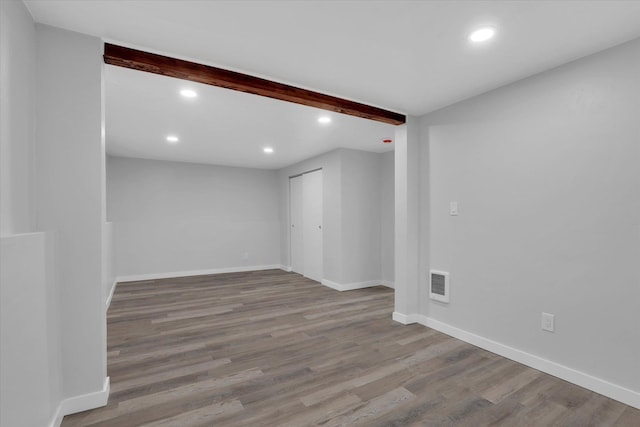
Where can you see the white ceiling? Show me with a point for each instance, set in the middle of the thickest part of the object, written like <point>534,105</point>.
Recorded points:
<point>222,126</point>
<point>407,56</point>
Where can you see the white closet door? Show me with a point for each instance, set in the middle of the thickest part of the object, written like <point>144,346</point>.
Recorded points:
<point>296,226</point>
<point>312,214</point>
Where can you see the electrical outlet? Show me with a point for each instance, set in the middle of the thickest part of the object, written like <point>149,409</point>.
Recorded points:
<point>548,322</point>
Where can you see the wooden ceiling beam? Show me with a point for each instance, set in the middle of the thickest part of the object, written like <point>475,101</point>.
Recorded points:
<point>144,61</point>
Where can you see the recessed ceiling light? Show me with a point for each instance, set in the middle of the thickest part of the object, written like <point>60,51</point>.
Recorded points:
<point>172,139</point>
<point>482,35</point>
<point>324,119</point>
<point>268,150</point>
<point>188,93</point>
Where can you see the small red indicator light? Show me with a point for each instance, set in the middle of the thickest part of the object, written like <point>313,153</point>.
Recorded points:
<point>387,141</point>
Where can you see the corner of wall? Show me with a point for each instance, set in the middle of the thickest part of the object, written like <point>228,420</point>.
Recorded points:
<point>68,187</point>
<point>86,401</point>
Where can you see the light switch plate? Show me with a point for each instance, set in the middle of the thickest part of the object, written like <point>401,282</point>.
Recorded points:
<point>453,208</point>
<point>548,322</point>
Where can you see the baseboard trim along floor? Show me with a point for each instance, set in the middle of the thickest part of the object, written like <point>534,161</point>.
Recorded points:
<point>606,388</point>
<point>169,275</point>
<point>82,403</point>
<point>356,285</point>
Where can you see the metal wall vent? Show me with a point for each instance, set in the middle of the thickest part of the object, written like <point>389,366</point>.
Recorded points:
<point>439,285</point>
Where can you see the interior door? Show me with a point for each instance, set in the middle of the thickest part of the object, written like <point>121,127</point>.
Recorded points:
<point>312,218</point>
<point>297,225</point>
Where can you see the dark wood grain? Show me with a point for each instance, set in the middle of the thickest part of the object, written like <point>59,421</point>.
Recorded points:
<point>172,67</point>
<point>272,348</point>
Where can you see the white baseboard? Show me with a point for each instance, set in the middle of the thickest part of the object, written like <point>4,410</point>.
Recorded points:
<point>614,391</point>
<point>113,288</point>
<point>168,275</point>
<point>405,319</point>
<point>81,403</point>
<point>56,420</point>
<point>352,286</point>
<point>285,268</point>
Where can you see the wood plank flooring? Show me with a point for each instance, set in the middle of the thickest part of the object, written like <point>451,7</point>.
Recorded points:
<point>272,348</point>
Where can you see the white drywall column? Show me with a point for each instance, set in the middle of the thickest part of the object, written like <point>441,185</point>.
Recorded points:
<point>387,219</point>
<point>407,221</point>
<point>69,199</point>
<point>424,209</point>
<point>17,76</point>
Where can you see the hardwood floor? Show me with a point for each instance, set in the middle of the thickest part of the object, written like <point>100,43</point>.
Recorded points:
<point>271,348</point>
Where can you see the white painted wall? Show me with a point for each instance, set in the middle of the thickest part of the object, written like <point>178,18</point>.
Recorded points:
<point>361,226</point>
<point>69,152</point>
<point>17,77</point>
<point>546,172</point>
<point>387,204</point>
<point>179,217</point>
<point>29,331</point>
<point>352,212</point>
<point>30,366</point>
